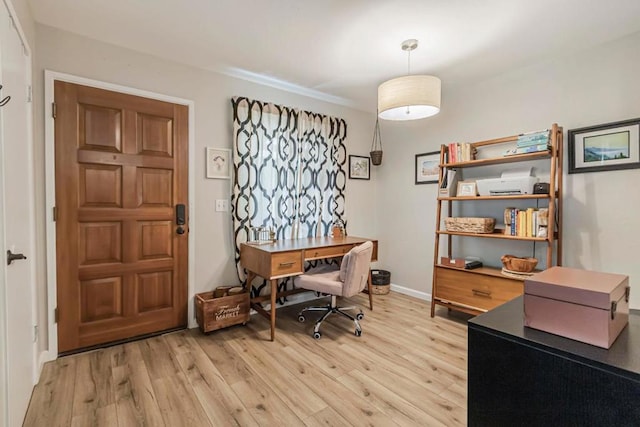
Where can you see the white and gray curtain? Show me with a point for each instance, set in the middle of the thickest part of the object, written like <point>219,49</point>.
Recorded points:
<point>289,172</point>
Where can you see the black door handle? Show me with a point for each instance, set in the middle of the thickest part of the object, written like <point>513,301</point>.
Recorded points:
<point>180,215</point>
<point>14,257</point>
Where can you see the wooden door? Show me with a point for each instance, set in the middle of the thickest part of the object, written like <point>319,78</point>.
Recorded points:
<point>17,222</point>
<point>121,169</point>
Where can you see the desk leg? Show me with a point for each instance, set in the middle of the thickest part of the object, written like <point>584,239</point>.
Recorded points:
<point>274,292</point>
<point>370,291</point>
<point>250,276</point>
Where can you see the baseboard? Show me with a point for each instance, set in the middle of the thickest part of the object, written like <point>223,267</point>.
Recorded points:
<point>411,292</point>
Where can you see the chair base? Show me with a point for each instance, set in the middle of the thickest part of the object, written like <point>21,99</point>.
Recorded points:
<point>332,308</point>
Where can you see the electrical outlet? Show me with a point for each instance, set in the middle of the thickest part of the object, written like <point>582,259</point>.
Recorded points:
<point>222,205</point>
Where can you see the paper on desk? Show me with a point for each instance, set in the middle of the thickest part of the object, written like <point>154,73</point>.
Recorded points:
<point>515,173</point>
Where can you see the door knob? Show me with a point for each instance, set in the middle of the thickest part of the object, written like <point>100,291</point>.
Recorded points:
<point>14,257</point>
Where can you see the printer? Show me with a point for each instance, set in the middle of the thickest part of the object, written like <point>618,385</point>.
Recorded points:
<point>510,183</point>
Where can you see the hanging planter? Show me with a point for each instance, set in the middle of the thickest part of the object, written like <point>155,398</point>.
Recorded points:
<point>376,146</point>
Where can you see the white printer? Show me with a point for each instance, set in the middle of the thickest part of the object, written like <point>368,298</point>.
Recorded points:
<point>510,183</point>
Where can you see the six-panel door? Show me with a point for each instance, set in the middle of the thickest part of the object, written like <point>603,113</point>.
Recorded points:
<point>121,168</point>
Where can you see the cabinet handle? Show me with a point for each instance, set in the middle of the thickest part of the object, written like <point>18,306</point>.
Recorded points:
<point>480,293</point>
<point>287,264</point>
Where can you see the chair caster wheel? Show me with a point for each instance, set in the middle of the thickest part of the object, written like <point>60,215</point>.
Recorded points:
<point>360,316</point>
<point>317,335</point>
<point>358,332</point>
<point>301,318</point>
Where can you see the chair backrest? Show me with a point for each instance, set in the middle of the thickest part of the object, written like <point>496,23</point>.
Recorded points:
<point>356,270</point>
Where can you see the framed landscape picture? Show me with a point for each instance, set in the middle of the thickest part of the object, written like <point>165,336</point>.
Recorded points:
<point>359,167</point>
<point>427,167</point>
<point>605,147</point>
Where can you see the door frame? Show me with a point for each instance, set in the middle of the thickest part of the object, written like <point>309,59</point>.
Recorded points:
<point>4,393</point>
<point>50,192</point>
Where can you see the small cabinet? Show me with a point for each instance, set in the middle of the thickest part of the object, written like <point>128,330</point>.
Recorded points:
<point>479,290</point>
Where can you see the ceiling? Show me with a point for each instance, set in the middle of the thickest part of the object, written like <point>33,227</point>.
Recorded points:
<point>343,49</point>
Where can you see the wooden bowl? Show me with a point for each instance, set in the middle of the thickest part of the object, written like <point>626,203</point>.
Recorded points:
<point>522,265</point>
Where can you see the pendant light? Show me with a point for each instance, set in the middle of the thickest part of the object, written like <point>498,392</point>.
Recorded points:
<point>409,97</point>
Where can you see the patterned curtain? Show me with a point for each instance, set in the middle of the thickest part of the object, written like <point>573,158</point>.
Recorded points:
<point>289,172</point>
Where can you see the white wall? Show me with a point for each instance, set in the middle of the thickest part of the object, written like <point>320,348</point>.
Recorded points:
<point>68,53</point>
<point>601,225</point>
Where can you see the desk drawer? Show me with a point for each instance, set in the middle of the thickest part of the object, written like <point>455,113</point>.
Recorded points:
<point>328,252</point>
<point>286,264</point>
<point>475,290</point>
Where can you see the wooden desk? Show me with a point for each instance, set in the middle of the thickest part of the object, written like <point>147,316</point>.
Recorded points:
<point>285,258</point>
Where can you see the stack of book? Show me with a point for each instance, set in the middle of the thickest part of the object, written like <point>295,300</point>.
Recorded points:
<point>529,222</point>
<point>532,142</point>
<point>461,152</point>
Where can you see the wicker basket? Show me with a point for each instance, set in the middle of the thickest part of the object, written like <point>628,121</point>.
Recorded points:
<point>470,225</point>
<point>381,281</point>
<point>376,157</point>
<point>519,265</point>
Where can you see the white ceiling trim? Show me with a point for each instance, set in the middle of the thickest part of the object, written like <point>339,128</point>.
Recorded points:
<point>286,86</point>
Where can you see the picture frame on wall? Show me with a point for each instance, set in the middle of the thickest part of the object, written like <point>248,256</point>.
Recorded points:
<point>218,163</point>
<point>359,167</point>
<point>606,147</point>
<point>427,169</point>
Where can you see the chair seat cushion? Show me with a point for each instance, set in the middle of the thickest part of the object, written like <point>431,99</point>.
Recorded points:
<point>324,279</point>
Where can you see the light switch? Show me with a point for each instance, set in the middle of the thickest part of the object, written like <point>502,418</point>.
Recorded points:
<point>222,205</point>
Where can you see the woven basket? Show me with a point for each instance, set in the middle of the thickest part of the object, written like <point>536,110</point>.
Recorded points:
<point>380,289</point>
<point>376,157</point>
<point>470,225</point>
<point>519,265</point>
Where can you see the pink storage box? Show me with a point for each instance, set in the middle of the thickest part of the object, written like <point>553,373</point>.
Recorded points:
<point>583,305</point>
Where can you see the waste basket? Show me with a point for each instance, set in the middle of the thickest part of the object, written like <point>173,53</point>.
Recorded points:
<point>381,281</point>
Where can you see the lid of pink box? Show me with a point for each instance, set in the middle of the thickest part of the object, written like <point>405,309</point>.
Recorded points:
<point>590,288</point>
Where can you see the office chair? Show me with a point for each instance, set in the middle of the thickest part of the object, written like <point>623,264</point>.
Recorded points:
<point>346,281</point>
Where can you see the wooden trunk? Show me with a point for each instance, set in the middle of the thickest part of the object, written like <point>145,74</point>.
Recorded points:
<point>215,313</point>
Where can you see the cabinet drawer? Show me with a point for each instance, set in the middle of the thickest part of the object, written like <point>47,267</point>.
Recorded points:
<point>286,264</point>
<point>475,290</point>
<point>329,252</point>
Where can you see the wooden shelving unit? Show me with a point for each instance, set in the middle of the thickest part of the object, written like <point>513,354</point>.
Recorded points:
<point>479,290</point>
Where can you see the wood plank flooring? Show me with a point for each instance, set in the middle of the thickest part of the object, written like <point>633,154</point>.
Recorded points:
<point>405,370</point>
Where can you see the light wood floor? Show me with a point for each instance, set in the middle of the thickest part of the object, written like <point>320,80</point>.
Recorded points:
<point>407,370</point>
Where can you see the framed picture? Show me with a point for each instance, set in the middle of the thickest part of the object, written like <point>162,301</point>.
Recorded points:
<point>427,167</point>
<point>359,167</point>
<point>605,147</point>
<point>218,163</point>
<point>467,189</point>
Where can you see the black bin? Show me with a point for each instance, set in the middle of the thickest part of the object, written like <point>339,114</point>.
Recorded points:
<point>380,277</point>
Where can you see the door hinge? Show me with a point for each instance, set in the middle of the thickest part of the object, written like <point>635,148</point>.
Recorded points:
<point>54,110</point>
<point>55,214</point>
<point>56,315</point>
<point>35,333</point>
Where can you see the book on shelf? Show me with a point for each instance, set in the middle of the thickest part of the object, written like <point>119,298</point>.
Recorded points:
<point>461,152</point>
<point>530,222</point>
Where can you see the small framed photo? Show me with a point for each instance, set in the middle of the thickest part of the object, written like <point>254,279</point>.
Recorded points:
<point>606,147</point>
<point>359,167</point>
<point>467,189</point>
<point>218,163</point>
<point>428,167</point>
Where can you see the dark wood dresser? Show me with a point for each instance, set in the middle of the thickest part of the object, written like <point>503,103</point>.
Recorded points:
<point>524,377</point>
